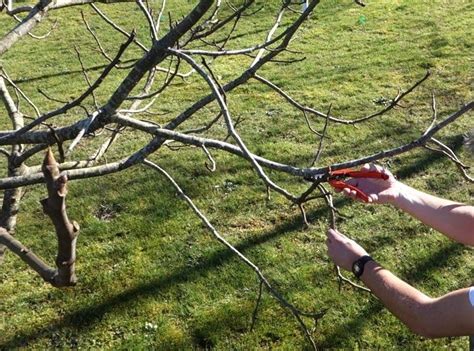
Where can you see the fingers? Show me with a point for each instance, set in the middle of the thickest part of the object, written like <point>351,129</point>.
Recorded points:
<point>332,234</point>
<point>353,181</point>
<point>351,193</point>
<point>373,198</point>
<point>373,167</point>
<point>335,235</point>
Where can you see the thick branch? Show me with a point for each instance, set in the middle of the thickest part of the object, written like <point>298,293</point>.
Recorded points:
<point>163,134</point>
<point>78,100</point>
<point>35,16</point>
<point>66,231</point>
<point>38,265</point>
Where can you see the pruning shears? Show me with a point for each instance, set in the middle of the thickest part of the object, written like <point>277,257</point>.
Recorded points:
<point>336,179</point>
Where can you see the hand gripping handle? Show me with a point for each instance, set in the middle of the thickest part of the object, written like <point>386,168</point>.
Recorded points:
<point>368,174</point>
<point>359,174</point>
<point>340,185</point>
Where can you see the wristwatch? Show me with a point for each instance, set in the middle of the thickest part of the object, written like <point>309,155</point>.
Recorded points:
<point>358,265</point>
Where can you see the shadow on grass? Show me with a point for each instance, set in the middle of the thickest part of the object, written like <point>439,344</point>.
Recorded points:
<point>101,67</point>
<point>66,73</point>
<point>86,317</point>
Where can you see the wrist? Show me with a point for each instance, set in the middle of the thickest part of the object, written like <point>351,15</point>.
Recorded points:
<point>370,269</point>
<point>403,194</point>
<point>358,266</point>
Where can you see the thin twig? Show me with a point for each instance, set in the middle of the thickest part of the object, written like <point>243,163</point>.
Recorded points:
<point>434,115</point>
<point>257,305</point>
<point>287,305</point>
<point>449,153</point>
<point>230,126</point>
<point>86,77</point>
<point>332,224</point>
<point>149,19</point>
<point>212,167</point>
<point>321,140</point>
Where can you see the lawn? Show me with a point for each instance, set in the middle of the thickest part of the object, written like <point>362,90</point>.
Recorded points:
<point>152,277</point>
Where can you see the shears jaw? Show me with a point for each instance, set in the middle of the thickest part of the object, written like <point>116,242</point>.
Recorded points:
<point>318,177</point>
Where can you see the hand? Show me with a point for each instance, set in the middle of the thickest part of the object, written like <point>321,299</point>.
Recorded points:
<point>342,250</point>
<point>378,190</point>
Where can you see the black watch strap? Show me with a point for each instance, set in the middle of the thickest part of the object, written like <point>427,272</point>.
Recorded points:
<point>358,265</point>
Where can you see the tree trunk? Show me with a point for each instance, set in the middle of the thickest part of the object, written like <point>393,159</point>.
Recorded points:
<point>11,205</point>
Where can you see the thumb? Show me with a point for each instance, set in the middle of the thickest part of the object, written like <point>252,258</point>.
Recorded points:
<point>332,233</point>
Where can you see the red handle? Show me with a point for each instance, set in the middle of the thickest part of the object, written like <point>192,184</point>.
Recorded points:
<point>339,184</point>
<point>348,172</point>
<point>368,174</point>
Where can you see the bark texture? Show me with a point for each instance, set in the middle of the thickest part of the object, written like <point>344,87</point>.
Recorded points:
<point>66,231</point>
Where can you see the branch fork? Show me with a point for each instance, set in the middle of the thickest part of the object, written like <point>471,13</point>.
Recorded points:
<point>66,231</point>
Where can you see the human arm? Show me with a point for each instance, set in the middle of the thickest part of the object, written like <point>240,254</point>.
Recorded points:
<point>453,219</point>
<point>449,315</point>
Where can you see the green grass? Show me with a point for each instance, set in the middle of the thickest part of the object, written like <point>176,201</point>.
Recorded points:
<point>152,277</point>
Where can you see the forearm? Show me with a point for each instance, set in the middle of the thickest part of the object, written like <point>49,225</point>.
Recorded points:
<point>449,315</point>
<point>452,219</point>
<point>400,298</point>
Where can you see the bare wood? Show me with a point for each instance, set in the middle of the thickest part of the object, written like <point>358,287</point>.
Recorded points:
<point>36,263</point>
<point>11,197</point>
<point>394,102</point>
<point>78,100</point>
<point>162,134</point>
<point>37,13</point>
<point>116,115</point>
<point>231,128</point>
<point>66,231</point>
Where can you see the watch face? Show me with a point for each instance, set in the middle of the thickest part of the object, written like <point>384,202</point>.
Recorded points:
<point>357,268</point>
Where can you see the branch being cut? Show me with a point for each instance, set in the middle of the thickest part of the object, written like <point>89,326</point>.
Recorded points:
<point>163,134</point>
